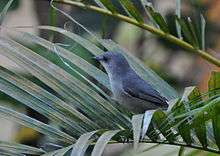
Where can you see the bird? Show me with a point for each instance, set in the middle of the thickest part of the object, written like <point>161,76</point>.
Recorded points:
<point>128,88</point>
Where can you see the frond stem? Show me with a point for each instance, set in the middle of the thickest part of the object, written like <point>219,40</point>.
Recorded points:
<point>147,27</point>
<point>174,144</point>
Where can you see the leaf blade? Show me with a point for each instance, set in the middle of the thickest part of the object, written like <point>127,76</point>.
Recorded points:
<point>35,124</point>
<point>214,84</point>
<point>108,4</point>
<point>203,27</point>
<point>137,126</point>
<point>178,13</point>
<point>102,141</point>
<point>20,148</point>
<point>132,10</point>
<point>82,144</point>
<point>4,11</point>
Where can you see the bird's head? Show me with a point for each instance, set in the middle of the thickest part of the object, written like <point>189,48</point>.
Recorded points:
<point>113,62</point>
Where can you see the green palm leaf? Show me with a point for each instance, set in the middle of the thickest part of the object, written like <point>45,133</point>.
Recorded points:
<point>19,148</point>
<point>37,125</point>
<point>84,114</point>
<point>192,41</point>
<point>183,116</point>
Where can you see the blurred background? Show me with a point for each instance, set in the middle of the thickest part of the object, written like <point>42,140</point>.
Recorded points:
<point>179,68</point>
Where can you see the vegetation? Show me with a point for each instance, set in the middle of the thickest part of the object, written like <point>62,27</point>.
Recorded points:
<point>81,114</point>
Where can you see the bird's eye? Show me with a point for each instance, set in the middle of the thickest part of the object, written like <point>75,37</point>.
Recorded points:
<point>105,59</point>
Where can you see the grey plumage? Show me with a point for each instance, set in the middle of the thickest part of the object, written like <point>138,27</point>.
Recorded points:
<point>128,88</point>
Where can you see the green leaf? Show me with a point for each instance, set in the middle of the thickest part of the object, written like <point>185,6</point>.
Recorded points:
<point>148,7</point>
<point>132,10</point>
<point>186,30</point>
<point>100,4</point>
<point>216,126</point>
<point>82,144</point>
<point>71,58</point>
<point>108,4</point>
<point>35,124</point>
<point>69,86</point>
<point>90,69</point>
<point>28,94</point>
<point>149,28</point>
<point>184,128</point>
<point>211,111</point>
<point>193,32</point>
<point>144,71</point>
<point>189,114</point>
<point>137,126</point>
<point>158,19</point>
<point>8,153</point>
<point>203,27</point>
<point>19,148</point>
<point>214,84</point>
<point>164,125</point>
<point>63,151</point>
<point>161,22</point>
<point>49,99</point>
<point>178,13</point>
<point>181,151</point>
<point>102,142</point>
<point>4,11</point>
<point>199,122</point>
<point>92,48</point>
<point>173,104</point>
<point>59,152</point>
<point>52,21</point>
<point>146,122</point>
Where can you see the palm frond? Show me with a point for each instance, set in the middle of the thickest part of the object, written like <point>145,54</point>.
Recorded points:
<point>190,43</point>
<point>185,123</point>
<point>85,115</point>
<point>20,149</point>
<point>35,124</point>
<point>5,10</point>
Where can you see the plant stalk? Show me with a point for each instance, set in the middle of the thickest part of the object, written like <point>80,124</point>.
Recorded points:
<point>169,143</point>
<point>149,28</point>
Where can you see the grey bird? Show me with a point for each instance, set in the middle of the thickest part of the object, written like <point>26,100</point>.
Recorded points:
<point>128,88</point>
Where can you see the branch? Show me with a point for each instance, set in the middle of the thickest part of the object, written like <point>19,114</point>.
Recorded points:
<point>170,143</point>
<point>149,28</point>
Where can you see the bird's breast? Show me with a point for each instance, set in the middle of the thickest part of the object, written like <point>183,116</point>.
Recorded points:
<point>116,87</point>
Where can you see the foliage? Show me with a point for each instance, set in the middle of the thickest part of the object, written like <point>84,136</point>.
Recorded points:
<point>81,114</point>
<point>194,39</point>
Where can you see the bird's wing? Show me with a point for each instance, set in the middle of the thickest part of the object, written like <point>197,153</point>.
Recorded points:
<point>138,88</point>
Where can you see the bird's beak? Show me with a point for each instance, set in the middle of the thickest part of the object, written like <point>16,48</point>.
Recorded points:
<point>98,58</point>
